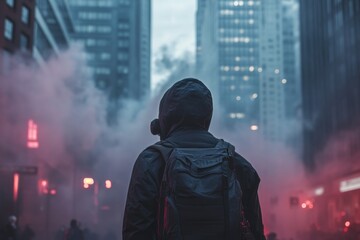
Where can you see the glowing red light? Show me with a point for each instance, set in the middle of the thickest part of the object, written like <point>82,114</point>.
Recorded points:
<point>86,185</point>
<point>53,192</point>
<point>303,205</point>
<point>108,184</point>
<point>43,187</point>
<point>347,224</point>
<point>32,135</point>
<point>44,183</point>
<point>16,186</point>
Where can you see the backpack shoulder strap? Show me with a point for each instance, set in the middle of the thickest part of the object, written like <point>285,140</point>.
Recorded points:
<point>165,149</point>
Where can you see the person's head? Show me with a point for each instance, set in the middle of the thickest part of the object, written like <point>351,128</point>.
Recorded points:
<point>185,105</point>
<point>12,219</point>
<point>73,223</point>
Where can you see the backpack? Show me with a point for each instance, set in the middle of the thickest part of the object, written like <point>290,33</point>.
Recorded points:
<point>200,195</point>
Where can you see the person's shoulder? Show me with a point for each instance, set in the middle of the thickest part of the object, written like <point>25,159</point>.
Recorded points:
<point>148,157</point>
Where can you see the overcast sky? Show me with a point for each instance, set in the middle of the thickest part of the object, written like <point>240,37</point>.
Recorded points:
<point>173,23</point>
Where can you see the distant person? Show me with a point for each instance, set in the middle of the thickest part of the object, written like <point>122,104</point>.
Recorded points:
<point>191,185</point>
<point>74,232</point>
<point>11,231</point>
<point>272,236</point>
<point>27,233</point>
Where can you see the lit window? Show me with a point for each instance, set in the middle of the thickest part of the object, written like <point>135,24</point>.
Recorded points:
<point>241,3</point>
<point>25,14</point>
<point>254,127</point>
<point>260,69</point>
<point>105,56</point>
<point>9,29</point>
<point>10,3</point>
<point>232,87</point>
<point>237,68</point>
<point>241,31</point>
<point>105,71</point>
<point>284,81</point>
<point>236,21</point>
<point>253,96</point>
<point>277,71</point>
<point>238,98</point>
<point>251,3</point>
<point>226,68</point>
<point>236,3</point>
<point>251,12</point>
<point>240,115</point>
<point>90,42</point>
<point>251,21</point>
<point>232,115</point>
<point>237,59</point>
<point>251,68</point>
<point>246,78</point>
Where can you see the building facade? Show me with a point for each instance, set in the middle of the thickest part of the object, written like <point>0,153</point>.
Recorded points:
<point>53,28</point>
<point>116,38</point>
<point>240,48</point>
<point>330,36</point>
<point>16,25</point>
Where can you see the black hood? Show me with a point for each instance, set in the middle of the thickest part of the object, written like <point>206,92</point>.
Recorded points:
<point>186,105</point>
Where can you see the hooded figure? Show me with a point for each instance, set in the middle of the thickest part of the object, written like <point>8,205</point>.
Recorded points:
<point>184,118</point>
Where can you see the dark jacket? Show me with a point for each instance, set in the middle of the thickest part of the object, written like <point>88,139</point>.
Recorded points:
<point>184,117</point>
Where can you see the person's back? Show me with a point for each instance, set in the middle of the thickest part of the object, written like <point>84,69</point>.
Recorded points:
<point>184,118</point>
<point>74,232</point>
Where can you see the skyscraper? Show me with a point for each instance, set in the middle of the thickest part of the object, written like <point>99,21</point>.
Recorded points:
<point>53,28</point>
<point>116,36</point>
<point>330,36</point>
<point>240,48</point>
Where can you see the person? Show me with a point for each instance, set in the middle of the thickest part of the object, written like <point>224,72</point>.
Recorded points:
<point>74,232</point>
<point>11,231</point>
<point>27,233</point>
<point>185,113</point>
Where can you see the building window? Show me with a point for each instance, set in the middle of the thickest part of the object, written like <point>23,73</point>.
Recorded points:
<point>9,29</point>
<point>25,15</point>
<point>24,41</point>
<point>10,3</point>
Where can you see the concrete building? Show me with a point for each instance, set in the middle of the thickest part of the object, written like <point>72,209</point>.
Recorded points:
<point>16,28</point>
<point>240,48</point>
<point>116,36</point>
<point>16,25</point>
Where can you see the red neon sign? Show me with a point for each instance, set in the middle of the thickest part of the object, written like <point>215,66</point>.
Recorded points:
<point>32,136</point>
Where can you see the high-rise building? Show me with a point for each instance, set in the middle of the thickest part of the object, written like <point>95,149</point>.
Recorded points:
<point>330,36</point>
<point>53,28</point>
<point>116,37</point>
<point>240,48</point>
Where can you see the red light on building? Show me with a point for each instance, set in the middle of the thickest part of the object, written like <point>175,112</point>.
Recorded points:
<point>108,184</point>
<point>53,192</point>
<point>347,224</point>
<point>44,187</point>
<point>16,186</point>
<point>303,205</point>
<point>32,138</point>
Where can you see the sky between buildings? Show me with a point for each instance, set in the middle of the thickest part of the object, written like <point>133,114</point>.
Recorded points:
<point>173,24</point>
